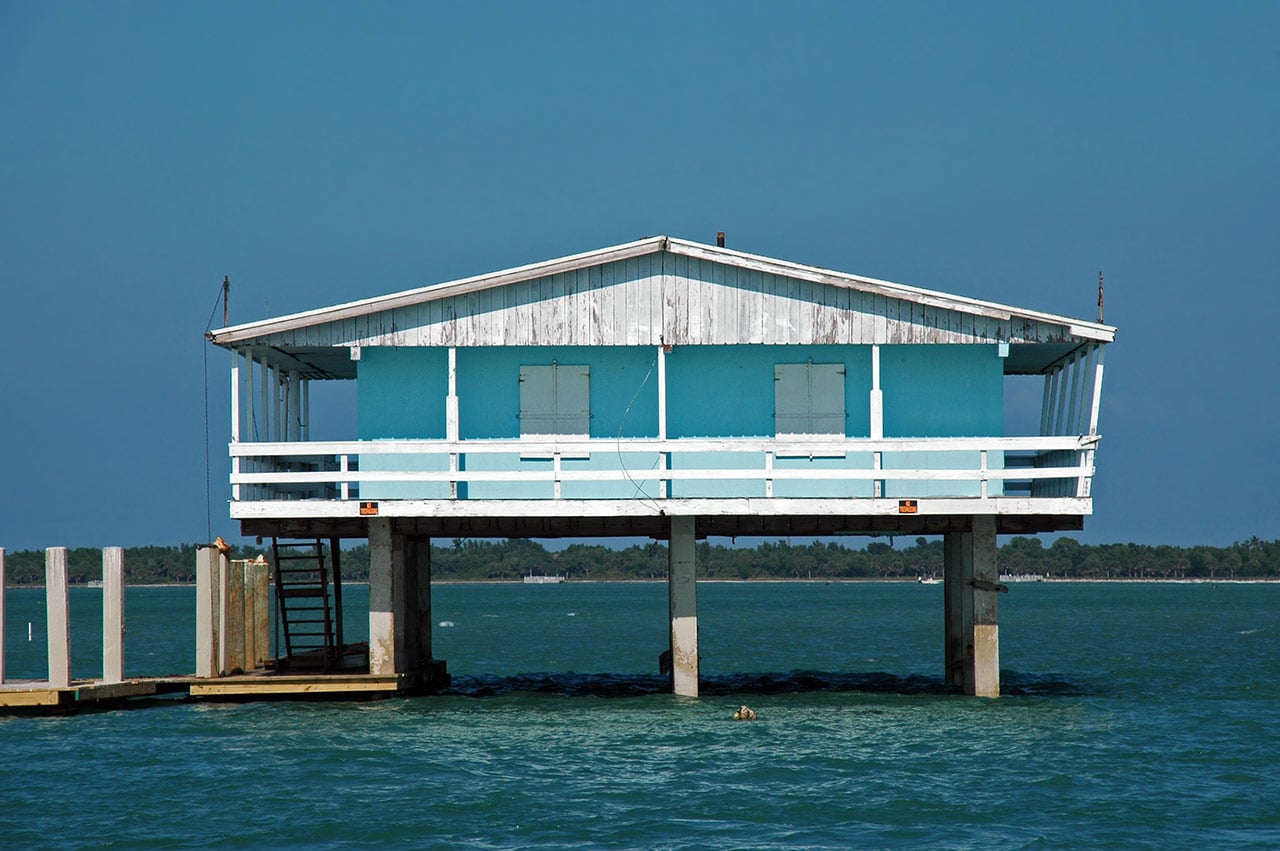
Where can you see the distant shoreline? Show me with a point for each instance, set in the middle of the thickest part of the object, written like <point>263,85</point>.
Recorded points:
<point>842,580</point>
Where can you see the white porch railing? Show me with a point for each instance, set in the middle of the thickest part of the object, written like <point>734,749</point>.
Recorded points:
<point>1030,466</point>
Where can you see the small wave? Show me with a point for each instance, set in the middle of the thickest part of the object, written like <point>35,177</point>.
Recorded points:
<point>1250,631</point>
<point>445,623</point>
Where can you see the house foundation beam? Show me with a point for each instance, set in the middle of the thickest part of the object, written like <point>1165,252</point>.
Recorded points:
<point>682,586</point>
<point>972,627</point>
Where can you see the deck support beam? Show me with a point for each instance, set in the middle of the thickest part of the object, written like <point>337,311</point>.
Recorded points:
<point>682,583</point>
<point>972,630</point>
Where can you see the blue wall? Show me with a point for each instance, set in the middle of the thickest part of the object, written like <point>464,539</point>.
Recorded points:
<point>713,391</point>
<point>727,391</point>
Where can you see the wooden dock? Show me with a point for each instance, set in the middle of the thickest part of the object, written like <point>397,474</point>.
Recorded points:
<point>261,685</point>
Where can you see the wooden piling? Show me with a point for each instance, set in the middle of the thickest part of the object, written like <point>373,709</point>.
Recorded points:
<point>58,616</point>
<point>113,615</point>
<point>208,605</point>
<point>236,602</point>
<point>1,615</point>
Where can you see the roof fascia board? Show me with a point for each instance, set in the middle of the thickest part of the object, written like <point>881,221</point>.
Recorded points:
<point>350,310</point>
<point>932,298</point>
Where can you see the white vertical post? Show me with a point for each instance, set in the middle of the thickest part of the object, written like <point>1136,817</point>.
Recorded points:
<point>277,403</point>
<point>662,393</point>
<point>1096,405</point>
<point>304,409</point>
<point>113,615</point>
<point>877,397</point>
<point>1064,381</point>
<point>682,584</point>
<point>58,616</point>
<point>1086,391</point>
<point>294,404</point>
<point>235,397</point>
<point>452,428</point>
<point>664,458</point>
<point>235,416</point>
<point>265,398</point>
<point>1073,417</point>
<point>1046,404</point>
<point>1,614</point>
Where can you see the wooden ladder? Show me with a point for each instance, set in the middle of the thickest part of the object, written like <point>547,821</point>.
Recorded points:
<point>309,606</point>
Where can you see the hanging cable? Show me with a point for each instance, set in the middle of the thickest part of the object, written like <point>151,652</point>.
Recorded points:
<point>208,478</point>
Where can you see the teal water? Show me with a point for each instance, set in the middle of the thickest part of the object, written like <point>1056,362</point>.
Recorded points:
<point>1135,715</point>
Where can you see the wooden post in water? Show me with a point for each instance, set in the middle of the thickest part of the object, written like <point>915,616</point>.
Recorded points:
<point>113,615</point>
<point>682,587</point>
<point>1,614</point>
<point>57,616</point>
<point>259,577</point>
<point>208,606</point>
<point>236,605</point>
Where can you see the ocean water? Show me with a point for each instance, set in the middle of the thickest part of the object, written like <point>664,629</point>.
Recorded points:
<point>1134,715</point>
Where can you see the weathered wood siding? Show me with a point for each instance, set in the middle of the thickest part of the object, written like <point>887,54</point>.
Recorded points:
<point>667,298</point>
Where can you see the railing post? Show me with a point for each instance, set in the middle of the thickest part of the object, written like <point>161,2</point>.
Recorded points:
<point>344,466</point>
<point>982,465</point>
<point>768,468</point>
<point>556,471</point>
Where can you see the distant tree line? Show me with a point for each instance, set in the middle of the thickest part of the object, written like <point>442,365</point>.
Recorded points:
<point>480,560</point>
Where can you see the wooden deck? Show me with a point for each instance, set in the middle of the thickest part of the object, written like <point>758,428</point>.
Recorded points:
<point>260,685</point>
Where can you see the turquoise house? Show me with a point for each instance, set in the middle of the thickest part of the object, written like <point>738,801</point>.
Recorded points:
<point>672,389</point>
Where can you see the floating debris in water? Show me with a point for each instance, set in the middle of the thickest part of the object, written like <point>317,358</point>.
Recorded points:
<point>445,623</point>
<point>744,713</point>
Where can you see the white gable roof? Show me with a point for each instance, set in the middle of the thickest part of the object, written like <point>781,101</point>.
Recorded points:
<point>662,290</point>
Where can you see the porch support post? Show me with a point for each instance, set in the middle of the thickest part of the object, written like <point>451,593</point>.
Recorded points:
<point>113,615</point>
<point>386,598</point>
<point>877,397</point>
<point>683,601</point>
<point>971,624</point>
<point>57,616</point>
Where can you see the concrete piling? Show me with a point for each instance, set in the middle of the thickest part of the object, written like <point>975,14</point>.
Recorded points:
<point>682,584</point>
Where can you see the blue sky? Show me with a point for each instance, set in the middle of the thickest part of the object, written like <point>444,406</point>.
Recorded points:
<point>319,153</point>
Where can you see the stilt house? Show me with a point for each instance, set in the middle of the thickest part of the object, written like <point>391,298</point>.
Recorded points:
<point>670,389</point>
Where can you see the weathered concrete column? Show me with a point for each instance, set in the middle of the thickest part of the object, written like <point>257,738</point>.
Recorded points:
<point>986,629</point>
<point>386,598</point>
<point>682,586</point>
<point>208,611</point>
<point>113,615</point>
<point>58,616</point>
<point>972,631</point>
<point>417,562</point>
